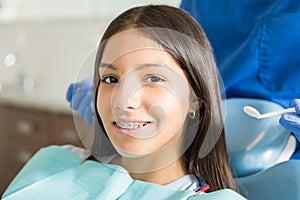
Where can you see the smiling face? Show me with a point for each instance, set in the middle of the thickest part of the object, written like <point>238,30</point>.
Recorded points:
<point>143,97</point>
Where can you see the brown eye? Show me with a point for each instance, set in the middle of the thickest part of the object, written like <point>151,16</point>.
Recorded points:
<point>154,79</point>
<point>110,80</point>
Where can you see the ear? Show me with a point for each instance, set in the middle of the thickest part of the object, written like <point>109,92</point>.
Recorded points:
<point>194,104</point>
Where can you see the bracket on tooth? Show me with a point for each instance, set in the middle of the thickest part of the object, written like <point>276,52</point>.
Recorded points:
<point>129,125</point>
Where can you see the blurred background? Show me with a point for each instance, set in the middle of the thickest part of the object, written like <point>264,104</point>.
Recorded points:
<point>42,46</point>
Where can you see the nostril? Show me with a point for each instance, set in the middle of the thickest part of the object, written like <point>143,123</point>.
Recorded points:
<point>117,107</point>
<point>127,104</point>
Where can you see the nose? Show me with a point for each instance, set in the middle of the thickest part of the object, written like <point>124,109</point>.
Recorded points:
<point>126,95</point>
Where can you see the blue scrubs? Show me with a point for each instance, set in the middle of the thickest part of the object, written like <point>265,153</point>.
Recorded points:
<point>256,44</point>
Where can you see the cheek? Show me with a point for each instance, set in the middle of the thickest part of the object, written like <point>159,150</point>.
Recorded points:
<point>103,103</point>
<point>173,100</point>
<point>168,107</point>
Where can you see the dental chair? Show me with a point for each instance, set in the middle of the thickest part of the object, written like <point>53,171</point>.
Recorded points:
<point>259,152</point>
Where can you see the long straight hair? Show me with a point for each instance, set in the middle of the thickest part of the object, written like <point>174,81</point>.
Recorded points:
<point>213,168</point>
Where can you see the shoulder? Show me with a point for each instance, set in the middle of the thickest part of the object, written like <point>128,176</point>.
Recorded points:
<point>78,151</point>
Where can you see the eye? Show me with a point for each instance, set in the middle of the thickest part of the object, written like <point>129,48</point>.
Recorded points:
<point>153,79</point>
<point>110,79</point>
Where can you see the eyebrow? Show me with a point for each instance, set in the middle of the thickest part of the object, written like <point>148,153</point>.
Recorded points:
<point>139,67</point>
<point>105,65</point>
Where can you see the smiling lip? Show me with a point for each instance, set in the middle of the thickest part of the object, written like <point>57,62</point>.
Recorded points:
<point>130,128</point>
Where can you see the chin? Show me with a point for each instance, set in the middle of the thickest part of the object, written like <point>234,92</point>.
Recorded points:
<point>130,154</point>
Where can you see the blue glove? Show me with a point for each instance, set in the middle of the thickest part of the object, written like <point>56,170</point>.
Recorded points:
<point>80,96</point>
<point>291,121</point>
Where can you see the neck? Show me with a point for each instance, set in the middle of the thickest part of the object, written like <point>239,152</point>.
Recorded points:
<point>164,175</point>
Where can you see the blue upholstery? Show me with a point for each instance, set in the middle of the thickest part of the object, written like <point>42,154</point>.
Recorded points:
<point>259,152</point>
<point>282,181</point>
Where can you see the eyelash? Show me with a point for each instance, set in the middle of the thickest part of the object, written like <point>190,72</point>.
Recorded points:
<point>106,78</point>
<point>154,76</point>
<point>149,79</point>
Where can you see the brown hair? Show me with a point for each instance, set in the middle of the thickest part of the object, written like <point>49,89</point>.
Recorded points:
<point>213,168</point>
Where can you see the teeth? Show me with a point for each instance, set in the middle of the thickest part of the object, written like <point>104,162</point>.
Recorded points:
<point>130,125</point>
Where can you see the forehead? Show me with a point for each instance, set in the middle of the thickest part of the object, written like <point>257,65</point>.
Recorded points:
<point>126,42</point>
